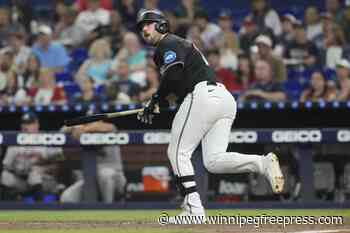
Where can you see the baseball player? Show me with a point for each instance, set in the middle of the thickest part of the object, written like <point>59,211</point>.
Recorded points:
<point>206,113</point>
<point>24,166</point>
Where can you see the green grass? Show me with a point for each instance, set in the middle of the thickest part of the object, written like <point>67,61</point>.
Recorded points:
<point>133,215</point>
<point>149,215</point>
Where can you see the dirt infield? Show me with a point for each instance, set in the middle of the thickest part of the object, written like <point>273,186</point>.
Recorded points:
<point>135,226</point>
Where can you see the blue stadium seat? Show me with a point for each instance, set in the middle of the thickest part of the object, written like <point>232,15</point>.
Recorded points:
<point>64,77</point>
<point>71,90</point>
<point>78,56</point>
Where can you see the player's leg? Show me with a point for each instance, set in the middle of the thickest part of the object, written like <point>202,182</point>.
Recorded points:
<point>73,194</point>
<point>186,133</point>
<point>109,181</point>
<point>215,143</point>
<point>217,160</point>
<point>13,182</point>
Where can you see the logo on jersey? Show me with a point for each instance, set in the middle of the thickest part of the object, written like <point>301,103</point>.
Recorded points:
<point>169,57</point>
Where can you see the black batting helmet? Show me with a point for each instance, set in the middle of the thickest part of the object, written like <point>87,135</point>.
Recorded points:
<point>150,16</point>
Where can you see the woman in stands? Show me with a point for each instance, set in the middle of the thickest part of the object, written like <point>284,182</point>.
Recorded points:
<point>319,89</point>
<point>98,65</point>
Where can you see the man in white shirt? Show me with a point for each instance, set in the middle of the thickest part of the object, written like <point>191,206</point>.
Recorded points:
<point>93,17</point>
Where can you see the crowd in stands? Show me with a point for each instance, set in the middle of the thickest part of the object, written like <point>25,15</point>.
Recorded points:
<point>90,51</point>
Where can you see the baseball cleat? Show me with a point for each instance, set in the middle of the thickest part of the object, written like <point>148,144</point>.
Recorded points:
<point>273,173</point>
<point>191,214</point>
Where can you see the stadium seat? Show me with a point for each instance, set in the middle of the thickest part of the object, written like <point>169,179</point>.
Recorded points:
<point>78,56</point>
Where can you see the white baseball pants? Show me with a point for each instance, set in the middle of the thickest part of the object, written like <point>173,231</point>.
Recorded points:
<point>206,116</point>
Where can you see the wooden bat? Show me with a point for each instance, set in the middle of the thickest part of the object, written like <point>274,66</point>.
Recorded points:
<point>99,117</point>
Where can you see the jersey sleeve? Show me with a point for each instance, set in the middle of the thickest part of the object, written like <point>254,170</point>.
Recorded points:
<point>169,56</point>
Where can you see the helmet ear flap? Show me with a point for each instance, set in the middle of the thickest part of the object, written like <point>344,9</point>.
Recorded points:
<point>162,26</point>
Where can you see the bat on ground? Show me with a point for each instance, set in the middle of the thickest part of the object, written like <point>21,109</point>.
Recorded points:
<point>99,117</point>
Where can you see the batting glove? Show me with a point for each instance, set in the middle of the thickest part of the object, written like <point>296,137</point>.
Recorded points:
<point>149,111</point>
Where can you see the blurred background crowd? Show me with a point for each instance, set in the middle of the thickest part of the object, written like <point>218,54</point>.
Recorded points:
<point>83,51</point>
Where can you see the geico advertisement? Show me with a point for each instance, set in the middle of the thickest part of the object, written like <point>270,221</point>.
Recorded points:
<point>104,139</point>
<point>41,139</point>
<point>343,136</point>
<point>244,137</point>
<point>303,136</point>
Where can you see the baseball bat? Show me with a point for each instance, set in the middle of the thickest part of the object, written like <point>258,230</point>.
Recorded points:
<point>99,117</point>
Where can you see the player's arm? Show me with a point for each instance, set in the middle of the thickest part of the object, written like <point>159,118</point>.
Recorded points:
<point>171,76</point>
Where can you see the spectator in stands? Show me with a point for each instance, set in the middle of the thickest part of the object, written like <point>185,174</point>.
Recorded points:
<point>245,71</point>
<point>174,24</point>
<point>335,9</point>
<point>223,75</point>
<point>93,17</point>
<point>227,42</point>
<point>313,24</point>
<point>123,83</point>
<point>30,78</point>
<point>17,45</point>
<point>209,31</point>
<point>332,49</point>
<point>150,5</point>
<point>133,53</point>
<point>83,5</point>
<point>115,31</point>
<point>128,10</point>
<point>110,175</point>
<point>67,32</point>
<point>14,94</point>
<point>278,68</point>
<point>194,35</point>
<point>26,169</point>
<point>264,88</point>
<point>319,89</point>
<point>5,26</point>
<point>51,54</point>
<point>186,11</point>
<point>249,32</point>
<point>152,80</point>
<point>288,28</point>
<point>88,93</point>
<point>98,65</point>
<point>343,79</point>
<point>265,17</point>
<point>48,92</point>
<point>301,51</point>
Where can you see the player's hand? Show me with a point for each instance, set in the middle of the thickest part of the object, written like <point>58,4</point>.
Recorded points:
<point>149,111</point>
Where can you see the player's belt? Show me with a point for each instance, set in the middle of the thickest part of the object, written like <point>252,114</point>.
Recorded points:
<point>211,83</point>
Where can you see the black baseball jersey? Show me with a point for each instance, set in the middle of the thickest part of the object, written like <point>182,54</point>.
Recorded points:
<point>181,66</point>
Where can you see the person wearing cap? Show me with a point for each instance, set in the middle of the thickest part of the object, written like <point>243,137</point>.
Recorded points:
<point>264,44</point>
<point>26,168</point>
<point>227,42</point>
<point>51,54</point>
<point>343,79</point>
